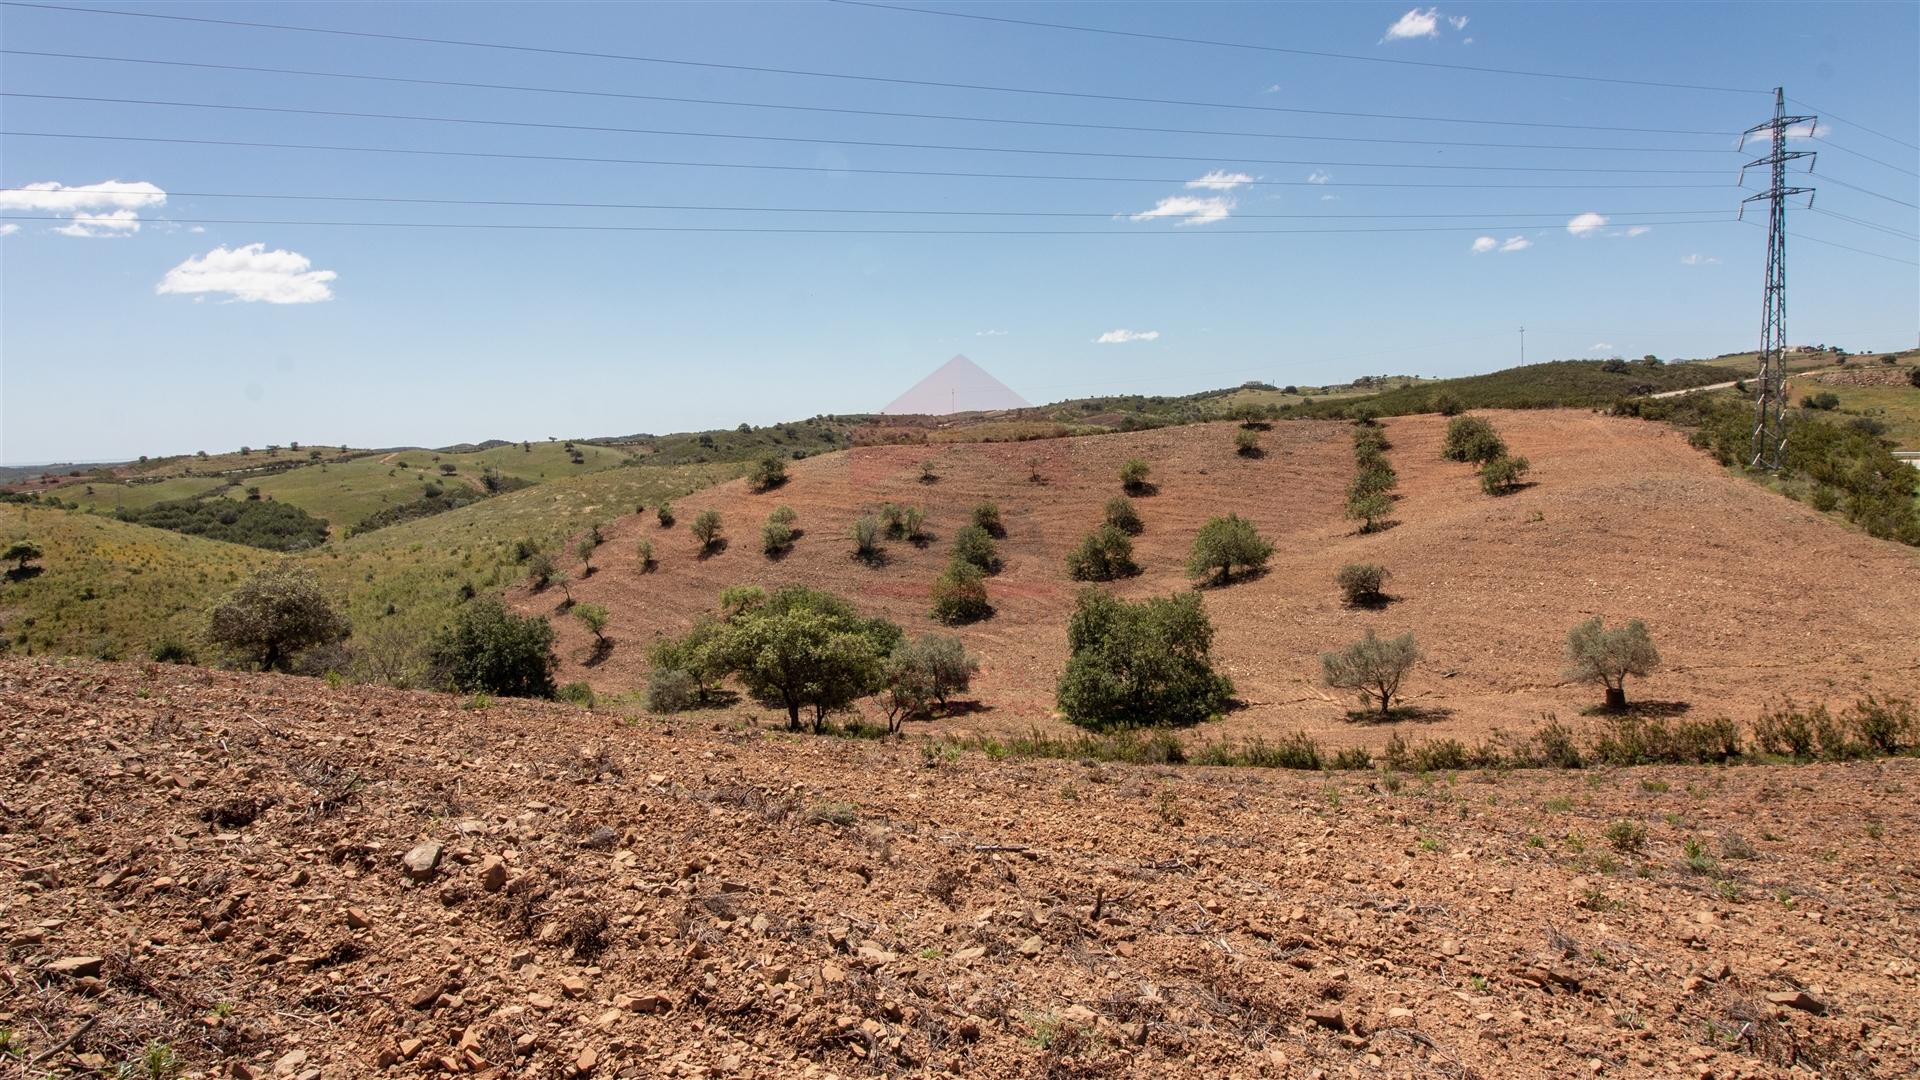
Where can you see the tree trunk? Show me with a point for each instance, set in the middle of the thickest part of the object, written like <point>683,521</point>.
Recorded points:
<point>1616,699</point>
<point>793,715</point>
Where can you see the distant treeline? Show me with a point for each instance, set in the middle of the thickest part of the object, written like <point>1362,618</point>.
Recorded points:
<point>1555,385</point>
<point>275,526</point>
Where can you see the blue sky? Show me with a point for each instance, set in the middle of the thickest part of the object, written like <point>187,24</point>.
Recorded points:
<point>184,335</point>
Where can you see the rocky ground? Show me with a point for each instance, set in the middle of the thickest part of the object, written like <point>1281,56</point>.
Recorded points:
<point>277,878</point>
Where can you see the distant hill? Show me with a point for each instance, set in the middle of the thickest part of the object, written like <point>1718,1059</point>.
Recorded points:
<point>1555,384</point>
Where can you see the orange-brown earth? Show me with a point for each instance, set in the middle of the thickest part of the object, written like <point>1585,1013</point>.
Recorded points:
<point>1751,598</point>
<point>218,864</point>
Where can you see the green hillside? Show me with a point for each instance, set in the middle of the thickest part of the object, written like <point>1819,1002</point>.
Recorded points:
<point>1556,384</point>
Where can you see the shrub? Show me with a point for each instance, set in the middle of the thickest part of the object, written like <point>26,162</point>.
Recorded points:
<point>1105,555</point>
<point>1597,654</point>
<point>767,473</point>
<point>1369,442</point>
<point>1373,666</point>
<point>1627,836</point>
<point>21,553</point>
<point>644,552</point>
<point>913,525</point>
<point>1786,730</point>
<point>866,538</point>
<point>1446,404</point>
<point>664,514</point>
<point>973,545</point>
<point>776,537</point>
<point>1375,477</point>
<point>893,517</point>
<point>927,473</point>
<point>1122,515</point>
<point>1826,400</point>
<point>671,690</point>
<point>1502,475</point>
<point>1824,498</point>
<point>987,516</point>
<point>1246,442</point>
<point>930,669</point>
<point>274,615</point>
<point>170,651</point>
<point>1133,477</point>
<point>1913,377</point>
<point>706,529</point>
<point>683,670</point>
<point>1224,545</point>
<point>807,649</point>
<point>1472,439</point>
<point>1370,510</point>
<point>960,595</point>
<point>784,515</point>
<point>594,618</point>
<point>577,693</point>
<point>1145,663</point>
<point>488,649</point>
<point>585,548</point>
<point>1885,727</point>
<point>1361,583</point>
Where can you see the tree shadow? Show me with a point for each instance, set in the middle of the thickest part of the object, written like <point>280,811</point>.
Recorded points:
<point>1143,490</point>
<point>1214,581</point>
<point>965,708</point>
<point>922,539</point>
<point>1646,710</point>
<point>1252,454</point>
<point>1514,489</point>
<point>1376,602</point>
<point>1376,528</point>
<point>1400,714</point>
<point>588,571</point>
<point>25,573</point>
<point>877,559</point>
<point>713,547</point>
<point>602,648</point>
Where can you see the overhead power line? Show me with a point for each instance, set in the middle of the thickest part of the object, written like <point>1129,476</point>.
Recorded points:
<point>79,196</point>
<point>1861,190</point>
<point>1847,247</point>
<point>847,76</point>
<point>1250,46</point>
<point>1831,115</point>
<point>1865,224</point>
<point>809,230</point>
<point>1831,145</point>
<point>586,159</point>
<point>869,143</point>
<point>967,118</point>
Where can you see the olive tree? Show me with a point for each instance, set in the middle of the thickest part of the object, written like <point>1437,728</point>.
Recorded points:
<point>489,649</point>
<point>1224,545</point>
<point>1105,555</point>
<point>1140,663</point>
<point>1374,666</point>
<point>273,615</point>
<point>928,670</point>
<point>706,529</point>
<point>1597,654</point>
<point>807,649</point>
<point>21,553</point>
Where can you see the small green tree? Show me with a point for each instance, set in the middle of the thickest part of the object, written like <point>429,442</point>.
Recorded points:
<point>776,536</point>
<point>594,618</point>
<point>1224,545</point>
<point>1246,442</point>
<point>1446,404</point>
<point>488,649</point>
<point>784,515</point>
<point>683,671</point>
<point>866,538</point>
<point>1472,439</point>
<point>1373,666</point>
<point>1133,477</point>
<point>927,473</point>
<point>960,594</point>
<point>274,615</point>
<point>806,649</point>
<point>768,473</point>
<point>1370,510</point>
<point>1122,515</point>
<point>1502,475</point>
<point>1140,663</point>
<point>1105,555</point>
<point>21,553</point>
<point>932,668</point>
<point>706,529</point>
<point>987,516</point>
<point>540,570</point>
<point>913,525</point>
<point>664,514</point>
<point>643,551</point>
<point>584,548</point>
<point>1597,654</point>
<point>1362,583</point>
<point>973,545</point>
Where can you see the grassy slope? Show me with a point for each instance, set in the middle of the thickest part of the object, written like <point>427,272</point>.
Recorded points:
<point>1559,383</point>
<point>110,497</point>
<point>108,586</point>
<point>1898,407</point>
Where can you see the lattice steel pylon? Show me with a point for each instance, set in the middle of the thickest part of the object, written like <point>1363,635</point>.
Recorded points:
<point>1770,404</point>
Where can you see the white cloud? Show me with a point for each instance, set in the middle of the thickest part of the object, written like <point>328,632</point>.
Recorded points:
<point>1319,176</point>
<point>1639,230</point>
<point>1121,337</point>
<point>9,229</point>
<point>109,208</point>
<point>1602,346</point>
<point>249,274</point>
<point>1458,22</point>
<point>1329,198</point>
<point>1221,180</point>
<point>1587,224</point>
<point>1190,209</point>
<point>1273,89</point>
<point>989,333</point>
<point>1815,130</point>
<point>1699,260</point>
<point>1415,24</point>
<point>1484,244</point>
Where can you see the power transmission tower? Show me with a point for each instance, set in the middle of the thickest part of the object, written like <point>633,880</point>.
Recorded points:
<point>1770,406</point>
